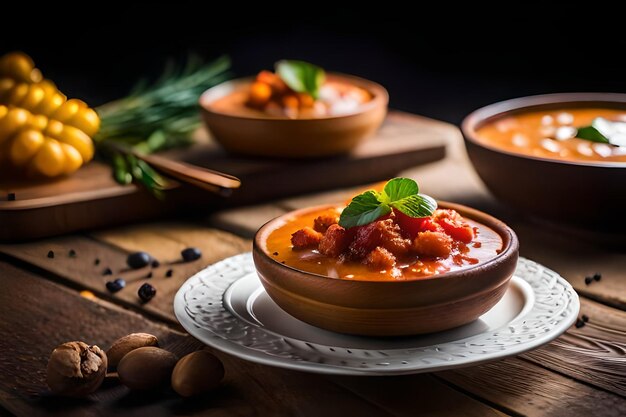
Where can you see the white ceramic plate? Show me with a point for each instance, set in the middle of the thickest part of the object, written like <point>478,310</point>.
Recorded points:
<point>226,307</point>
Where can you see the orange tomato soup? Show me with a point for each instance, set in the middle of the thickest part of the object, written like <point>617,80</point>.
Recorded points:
<point>485,246</point>
<point>550,134</point>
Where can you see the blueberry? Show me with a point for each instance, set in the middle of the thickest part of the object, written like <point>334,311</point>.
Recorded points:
<point>115,285</point>
<point>155,263</point>
<point>146,292</point>
<point>579,323</point>
<point>138,260</point>
<point>191,254</point>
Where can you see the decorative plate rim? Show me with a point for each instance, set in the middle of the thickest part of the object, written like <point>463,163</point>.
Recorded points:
<point>199,308</point>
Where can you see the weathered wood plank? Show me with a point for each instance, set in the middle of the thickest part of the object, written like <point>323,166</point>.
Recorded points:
<point>37,315</point>
<point>163,241</point>
<point>416,395</point>
<point>595,353</point>
<point>245,221</point>
<point>523,388</point>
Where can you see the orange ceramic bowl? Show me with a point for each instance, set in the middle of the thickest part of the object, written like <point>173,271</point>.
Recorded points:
<point>261,135</point>
<point>389,308</point>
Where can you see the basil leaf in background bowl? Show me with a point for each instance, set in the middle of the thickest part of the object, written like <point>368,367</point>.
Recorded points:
<point>604,131</point>
<point>301,76</point>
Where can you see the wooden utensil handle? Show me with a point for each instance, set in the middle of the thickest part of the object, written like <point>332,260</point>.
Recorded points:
<point>204,178</point>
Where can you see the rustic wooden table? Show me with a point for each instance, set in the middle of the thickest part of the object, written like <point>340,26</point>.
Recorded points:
<point>41,305</point>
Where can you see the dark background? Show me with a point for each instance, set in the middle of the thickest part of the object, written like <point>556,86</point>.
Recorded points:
<point>442,62</point>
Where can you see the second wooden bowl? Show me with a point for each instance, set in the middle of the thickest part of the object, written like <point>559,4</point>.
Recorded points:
<point>384,308</point>
<point>260,135</point>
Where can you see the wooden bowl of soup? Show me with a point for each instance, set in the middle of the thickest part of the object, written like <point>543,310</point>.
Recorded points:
<point>525,152</point>
<point>419,294</point>
<point>241,129</point>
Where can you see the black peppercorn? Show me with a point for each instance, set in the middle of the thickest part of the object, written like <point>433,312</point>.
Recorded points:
<point>107,271</point>
<point>72,253</point>
<point>146,292</point>
<point>275,254</point>
<point>50,254</point>
<point>169,273</point>
<point>149,275</point>
<point>579,323</point>
<point>597,276</point>
<point>585,318</point>
<point>588,280</point>
<point>96,261</point>
<point>155,263</point>
<point>191,254</point>
<point>115,285</point>
<point>138,260</point>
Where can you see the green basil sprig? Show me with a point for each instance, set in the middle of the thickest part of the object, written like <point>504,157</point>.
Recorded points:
<point>401,194</point>
<point>301,76</point>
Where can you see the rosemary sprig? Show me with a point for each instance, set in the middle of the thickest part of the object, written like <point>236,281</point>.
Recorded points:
<point>154,118</point>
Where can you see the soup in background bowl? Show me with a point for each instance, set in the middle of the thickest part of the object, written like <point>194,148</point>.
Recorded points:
<point>526,151</point>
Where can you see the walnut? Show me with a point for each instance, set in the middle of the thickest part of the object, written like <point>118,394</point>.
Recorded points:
<point>76,369</point>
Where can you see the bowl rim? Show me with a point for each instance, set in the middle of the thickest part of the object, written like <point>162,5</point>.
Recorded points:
<point>510,240</point>
<point>482,115</point>
<point>379,93</point>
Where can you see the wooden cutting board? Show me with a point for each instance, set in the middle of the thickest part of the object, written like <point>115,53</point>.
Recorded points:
<point>92,199</point>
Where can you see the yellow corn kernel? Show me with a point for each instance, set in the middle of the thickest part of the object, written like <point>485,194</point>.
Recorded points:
<point>15,119</point>
<point>54,128</point>
<point>19,66</point>
<point>6,86</point>
<point>67,111</point>
<point>86,120</point>
<point>33,98</point>
<point>25,145</point>
<point>50,160</point>
<point>49,88</point>
<point>73,137</point>
<point>17,94</point>
<point>73,160</point>
<point>38,122</point>
<point>50,104</point>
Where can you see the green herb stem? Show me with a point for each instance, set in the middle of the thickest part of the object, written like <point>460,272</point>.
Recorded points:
<point>156,117</point>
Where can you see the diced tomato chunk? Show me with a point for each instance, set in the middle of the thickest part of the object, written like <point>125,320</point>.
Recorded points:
<point>454,225</point>
<point>366,239</point>
<point>335,241</point>
<point>411,226</point>
<point>305,238</point>
<point>433,244</point>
